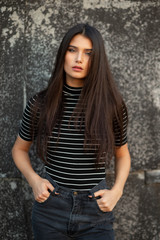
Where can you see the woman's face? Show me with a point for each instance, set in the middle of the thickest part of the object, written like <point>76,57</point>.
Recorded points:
<point>76,64</point>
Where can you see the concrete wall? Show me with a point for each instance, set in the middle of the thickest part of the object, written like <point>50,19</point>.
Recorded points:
<point>31,33</point>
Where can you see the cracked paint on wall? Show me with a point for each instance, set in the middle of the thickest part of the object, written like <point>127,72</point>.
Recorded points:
<point>41,21</point>
<point>18,24</point>
<point>119,4</point>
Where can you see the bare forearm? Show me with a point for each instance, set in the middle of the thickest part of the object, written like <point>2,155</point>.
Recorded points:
<point>122,167</point>
<point>21,158</point>
<point>109,198</point>
<point>23,163</point>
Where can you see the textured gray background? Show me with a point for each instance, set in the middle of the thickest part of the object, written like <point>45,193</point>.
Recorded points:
<point>30,34</point>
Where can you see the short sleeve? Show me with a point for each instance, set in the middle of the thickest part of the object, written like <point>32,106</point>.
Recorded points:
<point>120,133</point>
<point>28,127</point>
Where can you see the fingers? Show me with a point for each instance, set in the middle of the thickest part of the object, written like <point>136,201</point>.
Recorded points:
<point>43,194</point>
<point>102,200</point>
<point>50,186</point>
<point>99,193</point>
<point>104,206</point>
<point>107,200</point>
<point>41,188</point>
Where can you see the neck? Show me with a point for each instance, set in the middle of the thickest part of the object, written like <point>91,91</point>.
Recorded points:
<point>75,82</point>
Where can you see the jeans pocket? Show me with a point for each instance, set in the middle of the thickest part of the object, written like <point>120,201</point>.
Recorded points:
<point>99,217</point>
<point>106,215</point>
<point>97,206</point>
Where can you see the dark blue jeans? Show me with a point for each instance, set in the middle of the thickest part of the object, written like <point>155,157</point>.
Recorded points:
<point>71,215</point>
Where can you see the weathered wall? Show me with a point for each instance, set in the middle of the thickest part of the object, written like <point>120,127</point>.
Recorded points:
<point>31,33</point>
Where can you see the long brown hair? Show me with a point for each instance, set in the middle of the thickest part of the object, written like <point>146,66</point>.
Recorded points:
<point>99,104</point>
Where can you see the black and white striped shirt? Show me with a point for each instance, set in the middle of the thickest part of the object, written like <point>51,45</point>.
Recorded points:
<point>67,162</point>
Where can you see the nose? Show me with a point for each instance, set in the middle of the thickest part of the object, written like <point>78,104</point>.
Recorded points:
<point>79,57</point>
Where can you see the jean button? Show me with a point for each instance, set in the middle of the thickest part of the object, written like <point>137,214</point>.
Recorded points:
<point>75,193</point>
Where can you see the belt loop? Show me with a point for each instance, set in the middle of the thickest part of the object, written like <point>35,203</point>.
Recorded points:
<point>55,190</point>
<point>55,185</point>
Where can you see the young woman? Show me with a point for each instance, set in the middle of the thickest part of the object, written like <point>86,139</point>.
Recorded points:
<point>78,123</point>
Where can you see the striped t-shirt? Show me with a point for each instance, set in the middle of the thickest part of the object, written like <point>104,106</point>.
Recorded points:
<point>68,163</point>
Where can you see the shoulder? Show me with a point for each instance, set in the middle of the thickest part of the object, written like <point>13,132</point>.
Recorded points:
<point>36,101</point>
<point>32,101</point>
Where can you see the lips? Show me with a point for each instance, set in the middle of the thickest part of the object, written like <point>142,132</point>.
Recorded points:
<point>77,68</point>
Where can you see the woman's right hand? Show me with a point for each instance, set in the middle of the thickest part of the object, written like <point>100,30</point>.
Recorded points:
<point>40,187</point>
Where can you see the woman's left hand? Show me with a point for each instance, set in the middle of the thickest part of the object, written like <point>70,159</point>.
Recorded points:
<point>108,199</point>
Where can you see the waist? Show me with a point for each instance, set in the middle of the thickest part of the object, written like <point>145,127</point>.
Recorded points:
<point>67,191</point>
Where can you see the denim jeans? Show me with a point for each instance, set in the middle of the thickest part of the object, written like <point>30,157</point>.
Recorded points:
<point>71,215</point>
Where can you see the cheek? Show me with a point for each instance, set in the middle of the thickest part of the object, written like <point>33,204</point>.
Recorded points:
<point>67,61</point>
<point>68,58</point>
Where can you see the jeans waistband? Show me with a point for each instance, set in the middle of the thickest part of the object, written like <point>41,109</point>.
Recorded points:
<point>67,191</point>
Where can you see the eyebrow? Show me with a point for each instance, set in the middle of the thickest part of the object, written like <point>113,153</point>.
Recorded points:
<point>77,47</point>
